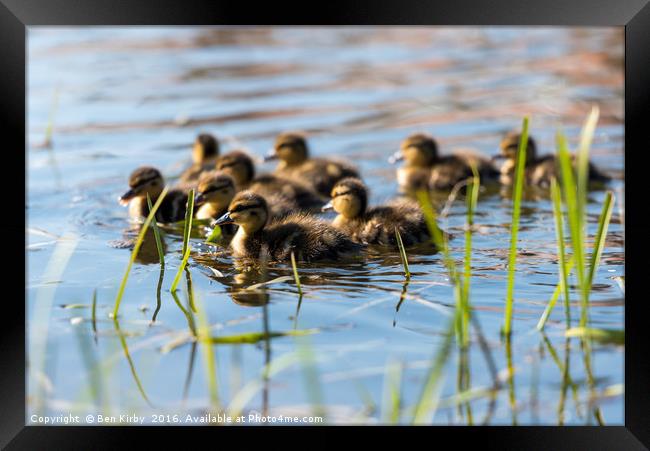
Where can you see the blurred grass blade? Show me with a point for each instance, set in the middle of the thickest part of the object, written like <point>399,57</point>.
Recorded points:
<point>427,400</point>
<point>565,267</point>
<point>559,234</point>
<point>295,273</point>
<point>402,254</point>
<point>42,307</point>
<point>576,226</point>
<point>203,336</point>
<point>256,337</point>
<point>94,315</point>
<point>187,230</point>
<point>156,233</point>
<point>554,297</point>
<point>586,138</point>
<point>514,230</point>
<point>471,200</point>
<point>134,373</point>
<point>392,401</point>
<point>601,234</point>
<point>214,235</point>
<point>136,249</point>
<point>605,336</point>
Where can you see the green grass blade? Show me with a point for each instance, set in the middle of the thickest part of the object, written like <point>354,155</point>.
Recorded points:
<point>576,226</point>
<point>156,233</point>
<point>256,337</point>
<point>427,400</point>
<point>436,234</point>
<point>601,234</point>
<point>136,249</point>
<point>311,377</point>
<point>214,235</point>
<point>203,337</point>
<point>606,336</point>
<point>559,234</point>
<point>516,210</point>
<point>134,373</point>
<point>586,138</point>
<point>471,200</point>
<point>402,254</point>
<point>295,273</point>
<point>392,401</point>
<point>186,239</point>
<point>93,314</point>
<point>556,294</point>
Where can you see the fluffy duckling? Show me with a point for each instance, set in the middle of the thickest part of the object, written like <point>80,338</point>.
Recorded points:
<point>375,225</point>
<point>204,154</point>
<point>213,195</point>
<point>425,168</point>
<point>538,170</point>
<point>148,180</point>
<point>284,195</point>
<point>319,173</point>
<point>308,237</point>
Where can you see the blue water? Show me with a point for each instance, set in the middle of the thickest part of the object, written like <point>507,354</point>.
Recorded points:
<point>130,96</point>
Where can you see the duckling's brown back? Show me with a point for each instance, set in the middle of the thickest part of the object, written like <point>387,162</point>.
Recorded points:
<point>310,238</point>
<point>294,193</point>
<point>320,174</point>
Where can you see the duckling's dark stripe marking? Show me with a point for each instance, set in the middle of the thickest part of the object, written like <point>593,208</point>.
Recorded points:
<point>342,194</point>
<point>238,208</point>
<point>214,188</point>
<point>227,165</point>
<point>142,182</point>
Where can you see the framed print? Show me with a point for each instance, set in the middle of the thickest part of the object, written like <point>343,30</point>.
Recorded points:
<point>379,216</point>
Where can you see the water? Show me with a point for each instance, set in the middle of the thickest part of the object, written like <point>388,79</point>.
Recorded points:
<point>131,96</point>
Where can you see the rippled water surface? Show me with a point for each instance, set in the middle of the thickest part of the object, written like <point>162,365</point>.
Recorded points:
<point>123,97</point>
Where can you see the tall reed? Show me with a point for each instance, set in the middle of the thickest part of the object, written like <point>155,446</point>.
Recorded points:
<point>514,227</point>
<point>136,249</point>
<point>187,230</point>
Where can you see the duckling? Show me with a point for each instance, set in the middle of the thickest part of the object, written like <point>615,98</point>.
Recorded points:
<point>148,180</point>
<point>284,195</point>
<point>425,168</point>
<point>538,170</point>
<point>319,173</point>
<point>375,225</point>
<point>308,237</point>
<point>213,195</point>
<point>204,154</point>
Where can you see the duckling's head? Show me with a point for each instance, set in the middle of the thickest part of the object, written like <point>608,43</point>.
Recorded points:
<point>206,147</point>
<point>349,198</point>
<point>248,210</point>
<point>144,180</point>
<point>418,150</point>
<point>290,147</point>
<point>510,146</point>
<point>238,165</point>
<point>216,188</point>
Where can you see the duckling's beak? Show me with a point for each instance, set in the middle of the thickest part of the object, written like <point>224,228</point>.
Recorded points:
<point>126,197</point>
<point>270,155</point>
<point>328,206</point>
<point>225,219</point>
<point>199,199</point>
<point>397,156</point>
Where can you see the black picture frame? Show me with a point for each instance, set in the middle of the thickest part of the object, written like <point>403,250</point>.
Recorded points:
<point>17,15</point>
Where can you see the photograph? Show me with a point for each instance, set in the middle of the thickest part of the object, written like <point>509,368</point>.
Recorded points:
<point>325,225</point>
